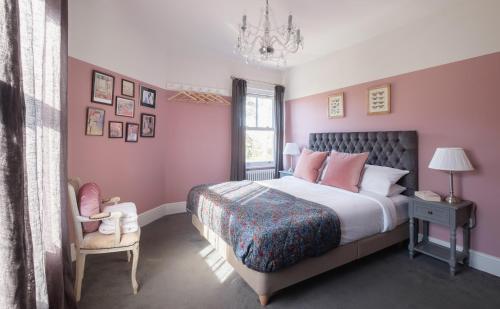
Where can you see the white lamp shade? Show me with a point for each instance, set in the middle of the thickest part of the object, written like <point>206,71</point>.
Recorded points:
<point>291,149</point>
<point>450,159</point>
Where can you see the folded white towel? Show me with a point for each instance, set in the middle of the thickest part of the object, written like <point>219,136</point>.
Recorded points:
<point>123,220</point>
<point>124,228</point>
<point>127,209</point>
<point>128,220</point>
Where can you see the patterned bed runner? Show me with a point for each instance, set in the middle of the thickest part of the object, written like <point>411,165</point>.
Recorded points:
<point>267,229</point>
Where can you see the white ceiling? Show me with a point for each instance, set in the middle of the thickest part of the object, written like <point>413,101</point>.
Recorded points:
<point>327,25</point>
<point>192,41</point>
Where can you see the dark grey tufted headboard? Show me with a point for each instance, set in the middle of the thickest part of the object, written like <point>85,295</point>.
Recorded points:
<point>397,149</point>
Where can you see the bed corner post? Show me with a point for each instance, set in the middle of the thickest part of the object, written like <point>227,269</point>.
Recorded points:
<point>264,299</point>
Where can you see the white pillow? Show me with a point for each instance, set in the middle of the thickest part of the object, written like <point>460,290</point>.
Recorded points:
<point>323,169</point>
<point>379,179</point>
<point>396,189</point>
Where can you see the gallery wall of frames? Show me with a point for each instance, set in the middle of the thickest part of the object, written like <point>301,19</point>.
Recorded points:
<point>103,92</point>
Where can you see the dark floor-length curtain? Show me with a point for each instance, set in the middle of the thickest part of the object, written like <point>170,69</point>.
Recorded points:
<point>35,264</point>
<point>238,129</point>
<point>279,114</point>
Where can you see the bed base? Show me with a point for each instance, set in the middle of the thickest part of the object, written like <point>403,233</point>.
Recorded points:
<point>265,284</point>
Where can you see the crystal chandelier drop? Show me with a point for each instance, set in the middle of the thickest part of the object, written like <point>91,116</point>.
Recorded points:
<point>267,42</point>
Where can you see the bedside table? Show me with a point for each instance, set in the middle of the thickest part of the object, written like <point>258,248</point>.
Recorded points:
<point>445,214</point>
<point>285,173</point>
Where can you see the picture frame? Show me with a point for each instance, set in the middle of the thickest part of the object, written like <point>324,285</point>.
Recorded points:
<point>115,129</point>
<point>379,100</point>
<point>128,88</point>
<point>124,107</point>
<point>148,97</point>
<point>132,132</point>
<point>103,88</point>
<point>148,123</point>
<point>95,122</point>
<point>336,105</point>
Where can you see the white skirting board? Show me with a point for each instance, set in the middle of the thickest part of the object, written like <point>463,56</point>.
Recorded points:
<point>163,210</point>
<point>478,260</point>
<point>149,216</point>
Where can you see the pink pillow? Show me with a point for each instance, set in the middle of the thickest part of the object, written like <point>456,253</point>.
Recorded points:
<point>309,165</point>
<point>89,201</point>
<point>344,170</point>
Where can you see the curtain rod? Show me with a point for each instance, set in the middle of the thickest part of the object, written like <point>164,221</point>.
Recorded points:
<point>255,81</point>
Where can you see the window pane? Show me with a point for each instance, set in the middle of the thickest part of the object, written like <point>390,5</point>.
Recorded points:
<point>265,111</point>
<point>251,112</point>
<point>259,146</point>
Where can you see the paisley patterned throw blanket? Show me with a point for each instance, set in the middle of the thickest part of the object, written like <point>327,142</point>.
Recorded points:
<point>267,229</point>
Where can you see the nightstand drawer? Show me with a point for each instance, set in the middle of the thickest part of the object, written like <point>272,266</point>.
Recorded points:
<point>432,214</point>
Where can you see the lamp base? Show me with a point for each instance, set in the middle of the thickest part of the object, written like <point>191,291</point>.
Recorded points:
<point>452,199</point>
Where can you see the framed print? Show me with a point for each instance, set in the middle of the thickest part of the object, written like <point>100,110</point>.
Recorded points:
<point>115,129</point>
<point>128,88</point>
<point>379,100</point>
<point>148,122</point>
<point>124,107</point>
<point>103,86</point>
<point>148,97</point>
<point>336,105</point>
<point>132,132</point>
<point>95,122</point>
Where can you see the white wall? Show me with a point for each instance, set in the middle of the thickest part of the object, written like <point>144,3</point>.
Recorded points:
<point>214,70</point>
<point>116,35</point>
<point>469,29</point>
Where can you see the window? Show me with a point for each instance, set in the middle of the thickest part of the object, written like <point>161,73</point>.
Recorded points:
<point>259,131</point>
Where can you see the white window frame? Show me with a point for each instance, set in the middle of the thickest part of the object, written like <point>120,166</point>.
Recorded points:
<point>261,164</point>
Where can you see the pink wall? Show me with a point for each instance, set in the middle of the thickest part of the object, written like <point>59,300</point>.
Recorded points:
<point>457,104</point>
<point>191,145</point>
<point>198,138</point>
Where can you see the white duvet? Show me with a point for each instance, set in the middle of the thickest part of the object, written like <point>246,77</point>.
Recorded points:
<point>361,214</point>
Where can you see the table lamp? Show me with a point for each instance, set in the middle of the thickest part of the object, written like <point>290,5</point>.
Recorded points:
<point>451,160</point>
<point>291,149</point>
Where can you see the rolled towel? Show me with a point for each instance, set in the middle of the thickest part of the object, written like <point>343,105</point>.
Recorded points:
<point>123,220</point>
<point>128,220</point>
<point>127,209</point>
<point>109,228</point>
<point>124,228</point>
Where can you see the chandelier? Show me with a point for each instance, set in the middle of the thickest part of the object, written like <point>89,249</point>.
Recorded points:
<point>267,42</point>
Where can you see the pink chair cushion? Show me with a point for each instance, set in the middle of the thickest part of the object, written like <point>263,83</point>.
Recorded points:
<point>89,202</point>
<point>344,170</point>
<point>309,165</point>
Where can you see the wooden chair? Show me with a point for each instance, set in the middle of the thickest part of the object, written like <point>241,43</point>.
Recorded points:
<point>97,243</point>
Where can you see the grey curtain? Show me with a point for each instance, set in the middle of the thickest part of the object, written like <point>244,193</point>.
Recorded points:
<point>279,106</point>
<point>35,266</point>
<point>238,129</point>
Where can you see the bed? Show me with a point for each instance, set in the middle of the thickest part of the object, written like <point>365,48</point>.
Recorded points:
<point>359,234</point>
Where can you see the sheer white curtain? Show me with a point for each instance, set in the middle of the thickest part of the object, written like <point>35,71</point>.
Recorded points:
<point>35,263</point>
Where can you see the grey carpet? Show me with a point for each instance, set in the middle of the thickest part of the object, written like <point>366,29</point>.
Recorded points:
<point>173,274</point>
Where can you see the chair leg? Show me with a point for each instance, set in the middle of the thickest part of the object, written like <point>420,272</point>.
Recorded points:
<point>80,268</point>
<point>128,255</point>
<point>135,259</point>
